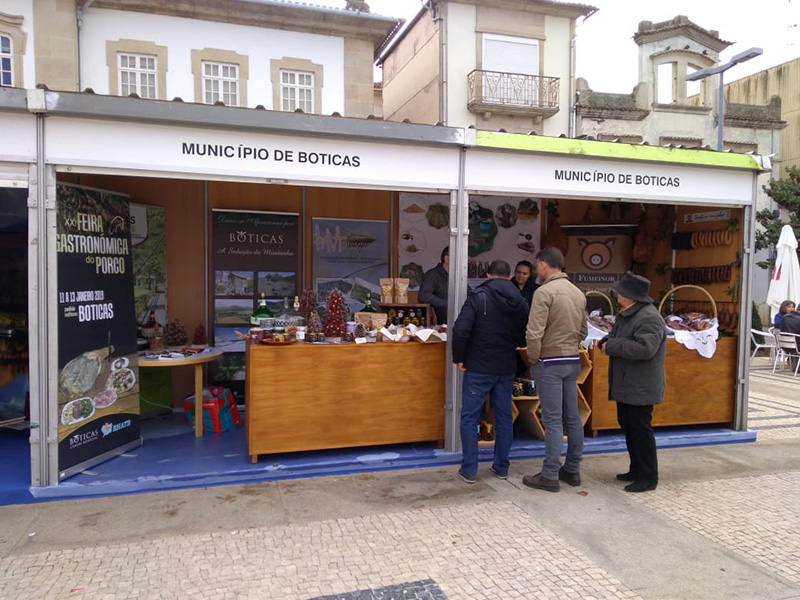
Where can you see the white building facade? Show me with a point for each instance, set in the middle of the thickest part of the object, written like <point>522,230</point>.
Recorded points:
<point>272,54</point>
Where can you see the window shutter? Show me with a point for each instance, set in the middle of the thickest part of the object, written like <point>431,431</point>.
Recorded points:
<point>508,56</point>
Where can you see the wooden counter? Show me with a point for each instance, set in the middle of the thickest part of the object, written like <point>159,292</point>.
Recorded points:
<point>699,390</point>
<point>313,397</point>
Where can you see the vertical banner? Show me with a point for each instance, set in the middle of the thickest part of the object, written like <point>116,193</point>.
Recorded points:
<point>351,256</point>
<point>98,388</point>
<point>254,252</point>
<point>148,236</point>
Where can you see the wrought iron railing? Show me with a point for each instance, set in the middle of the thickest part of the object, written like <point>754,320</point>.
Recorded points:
<point>512,90</point>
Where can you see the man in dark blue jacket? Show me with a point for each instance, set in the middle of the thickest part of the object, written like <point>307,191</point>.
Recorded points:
<point>486,335</point>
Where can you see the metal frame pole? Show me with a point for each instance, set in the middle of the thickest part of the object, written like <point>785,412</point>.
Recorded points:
<point>745,311</point>
<point>457,294</point>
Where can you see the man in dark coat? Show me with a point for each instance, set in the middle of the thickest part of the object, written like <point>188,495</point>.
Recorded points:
<point>485,339</point>
<point>637,348</point>
<point>791,324</point>
<point>433,289</point>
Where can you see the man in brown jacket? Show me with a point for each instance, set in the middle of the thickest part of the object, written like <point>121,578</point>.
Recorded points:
<point>556,327</point>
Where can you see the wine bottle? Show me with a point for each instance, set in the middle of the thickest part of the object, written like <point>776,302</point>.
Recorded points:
<point>262,312</point>
<point>368,306</point>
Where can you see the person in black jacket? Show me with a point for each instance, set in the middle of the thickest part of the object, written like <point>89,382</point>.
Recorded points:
<point>525,280</point>
<point>433,289</point>
<point>485,338</point>
<point>637,349</point>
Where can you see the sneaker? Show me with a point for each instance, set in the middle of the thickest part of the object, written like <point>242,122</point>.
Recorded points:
<point>467,478</point>
<point>540,483</point>
<point>573,479</point>
<point>499,474</point>
<point>626,476</point>
<point>640,486</point>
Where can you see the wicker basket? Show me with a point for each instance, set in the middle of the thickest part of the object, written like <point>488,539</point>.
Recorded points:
<point>689,287</point>
<point>602,295</point>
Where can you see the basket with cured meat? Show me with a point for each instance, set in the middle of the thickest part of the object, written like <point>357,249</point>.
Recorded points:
<point>695,330</point>
<point>598,322</point>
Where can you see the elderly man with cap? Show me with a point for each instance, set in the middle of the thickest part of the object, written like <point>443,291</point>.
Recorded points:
<point>637,347</point>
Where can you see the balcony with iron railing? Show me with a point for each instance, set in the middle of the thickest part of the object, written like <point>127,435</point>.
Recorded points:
<point>512,94</point>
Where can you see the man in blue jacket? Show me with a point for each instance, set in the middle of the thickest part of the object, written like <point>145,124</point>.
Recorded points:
<point>486,335</point>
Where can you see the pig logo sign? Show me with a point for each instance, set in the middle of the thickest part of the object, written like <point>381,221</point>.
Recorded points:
<point>596,255</point>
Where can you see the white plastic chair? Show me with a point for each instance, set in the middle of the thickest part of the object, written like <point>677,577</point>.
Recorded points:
<point>787,349</point>
<point>769,342</point>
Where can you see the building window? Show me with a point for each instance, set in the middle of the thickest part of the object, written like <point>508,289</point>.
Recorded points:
<point>6,61</point>
<point>297,91</point>
<point>665,85</point>
<point>220,83</point>
<point>137,75</point>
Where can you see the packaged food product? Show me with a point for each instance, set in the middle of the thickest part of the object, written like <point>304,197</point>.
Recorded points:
<point>387,290</point>
<point>379,320</point>
<point>401,290</point>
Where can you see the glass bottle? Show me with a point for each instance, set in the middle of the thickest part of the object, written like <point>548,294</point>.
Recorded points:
<point>262,312</point>
<point>368,306</point>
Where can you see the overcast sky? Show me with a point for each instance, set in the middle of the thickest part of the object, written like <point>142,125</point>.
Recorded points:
<point>607,55</point>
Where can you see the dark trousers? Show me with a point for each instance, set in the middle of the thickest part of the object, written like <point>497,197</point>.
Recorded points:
<point>636,423</point>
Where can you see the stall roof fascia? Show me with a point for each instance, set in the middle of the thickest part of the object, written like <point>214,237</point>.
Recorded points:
<point>616,151</point>
<point>13,99</point>
<point>114,108</point>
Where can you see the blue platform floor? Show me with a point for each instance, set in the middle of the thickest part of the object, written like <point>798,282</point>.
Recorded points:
<point>172,458</point>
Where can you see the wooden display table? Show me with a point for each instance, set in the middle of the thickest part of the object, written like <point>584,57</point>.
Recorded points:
<point>314,397</point>
<point>699,390</point>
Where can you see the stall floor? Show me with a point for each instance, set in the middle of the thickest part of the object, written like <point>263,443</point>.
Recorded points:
<point>172,458</point>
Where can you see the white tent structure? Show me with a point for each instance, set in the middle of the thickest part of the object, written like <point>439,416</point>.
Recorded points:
<point>785,283</point>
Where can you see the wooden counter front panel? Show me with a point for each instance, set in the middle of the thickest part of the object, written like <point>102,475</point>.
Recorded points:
<point>312,397</point>
<point>699,390</point>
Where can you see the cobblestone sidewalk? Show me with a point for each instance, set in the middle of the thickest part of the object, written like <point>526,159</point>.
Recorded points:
<point>756,517</point>
<point>488,550</point>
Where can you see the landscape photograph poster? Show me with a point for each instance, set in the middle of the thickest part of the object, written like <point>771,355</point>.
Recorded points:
<point>352,256</point>
<point>253,253</point>
<point>500,228</point>
<point>98,374</point>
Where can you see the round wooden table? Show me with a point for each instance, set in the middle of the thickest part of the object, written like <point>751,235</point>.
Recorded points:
<point>198,360</point>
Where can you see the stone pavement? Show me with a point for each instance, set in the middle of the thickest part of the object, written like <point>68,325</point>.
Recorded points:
<point>724,522</point>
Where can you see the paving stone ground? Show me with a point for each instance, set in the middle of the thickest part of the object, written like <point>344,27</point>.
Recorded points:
<point>756,517</point>
<point>488,550</point>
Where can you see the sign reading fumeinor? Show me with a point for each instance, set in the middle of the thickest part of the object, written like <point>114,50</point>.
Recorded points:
<point>98,387</point>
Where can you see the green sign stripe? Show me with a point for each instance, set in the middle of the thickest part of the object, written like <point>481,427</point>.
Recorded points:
<point>614,150</point>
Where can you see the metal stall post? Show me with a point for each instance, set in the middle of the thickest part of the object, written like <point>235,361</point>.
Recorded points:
<point>43,334</point>
<point>746,311</point>
<point>456,295</point>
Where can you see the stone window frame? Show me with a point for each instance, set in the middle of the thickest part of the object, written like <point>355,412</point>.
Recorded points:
<point>11,26</point>
<point>217,55</point>
<point>295,64</point>
<point>124,46</point>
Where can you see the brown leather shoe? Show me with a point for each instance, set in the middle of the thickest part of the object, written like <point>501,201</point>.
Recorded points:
<point>540,483</point>
<point>573,479</point>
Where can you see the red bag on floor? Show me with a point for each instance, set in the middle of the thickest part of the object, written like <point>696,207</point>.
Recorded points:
<point>220,412</point>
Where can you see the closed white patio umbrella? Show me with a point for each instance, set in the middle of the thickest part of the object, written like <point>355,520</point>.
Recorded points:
<point>785,283</point>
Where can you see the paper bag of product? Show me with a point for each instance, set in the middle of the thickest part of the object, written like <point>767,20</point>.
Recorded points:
<point>387,290</point>
<point>401,290</point>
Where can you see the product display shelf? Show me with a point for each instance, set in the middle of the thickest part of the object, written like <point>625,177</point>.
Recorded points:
<point>523,408</point>
<point>430,315</point>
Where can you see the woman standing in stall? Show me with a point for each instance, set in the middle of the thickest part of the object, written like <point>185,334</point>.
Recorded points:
<point>524,281</point>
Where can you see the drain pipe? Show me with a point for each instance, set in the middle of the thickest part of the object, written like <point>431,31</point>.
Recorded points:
<point>79,19</point>
<point>443,57</point>
<point>573,53</point>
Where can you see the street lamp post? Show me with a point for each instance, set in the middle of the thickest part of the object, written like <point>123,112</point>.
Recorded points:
<point>703,73</point>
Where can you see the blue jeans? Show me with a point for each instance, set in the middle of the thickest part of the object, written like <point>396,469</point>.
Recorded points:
<point>558,394</point>
<point>475,387</point>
